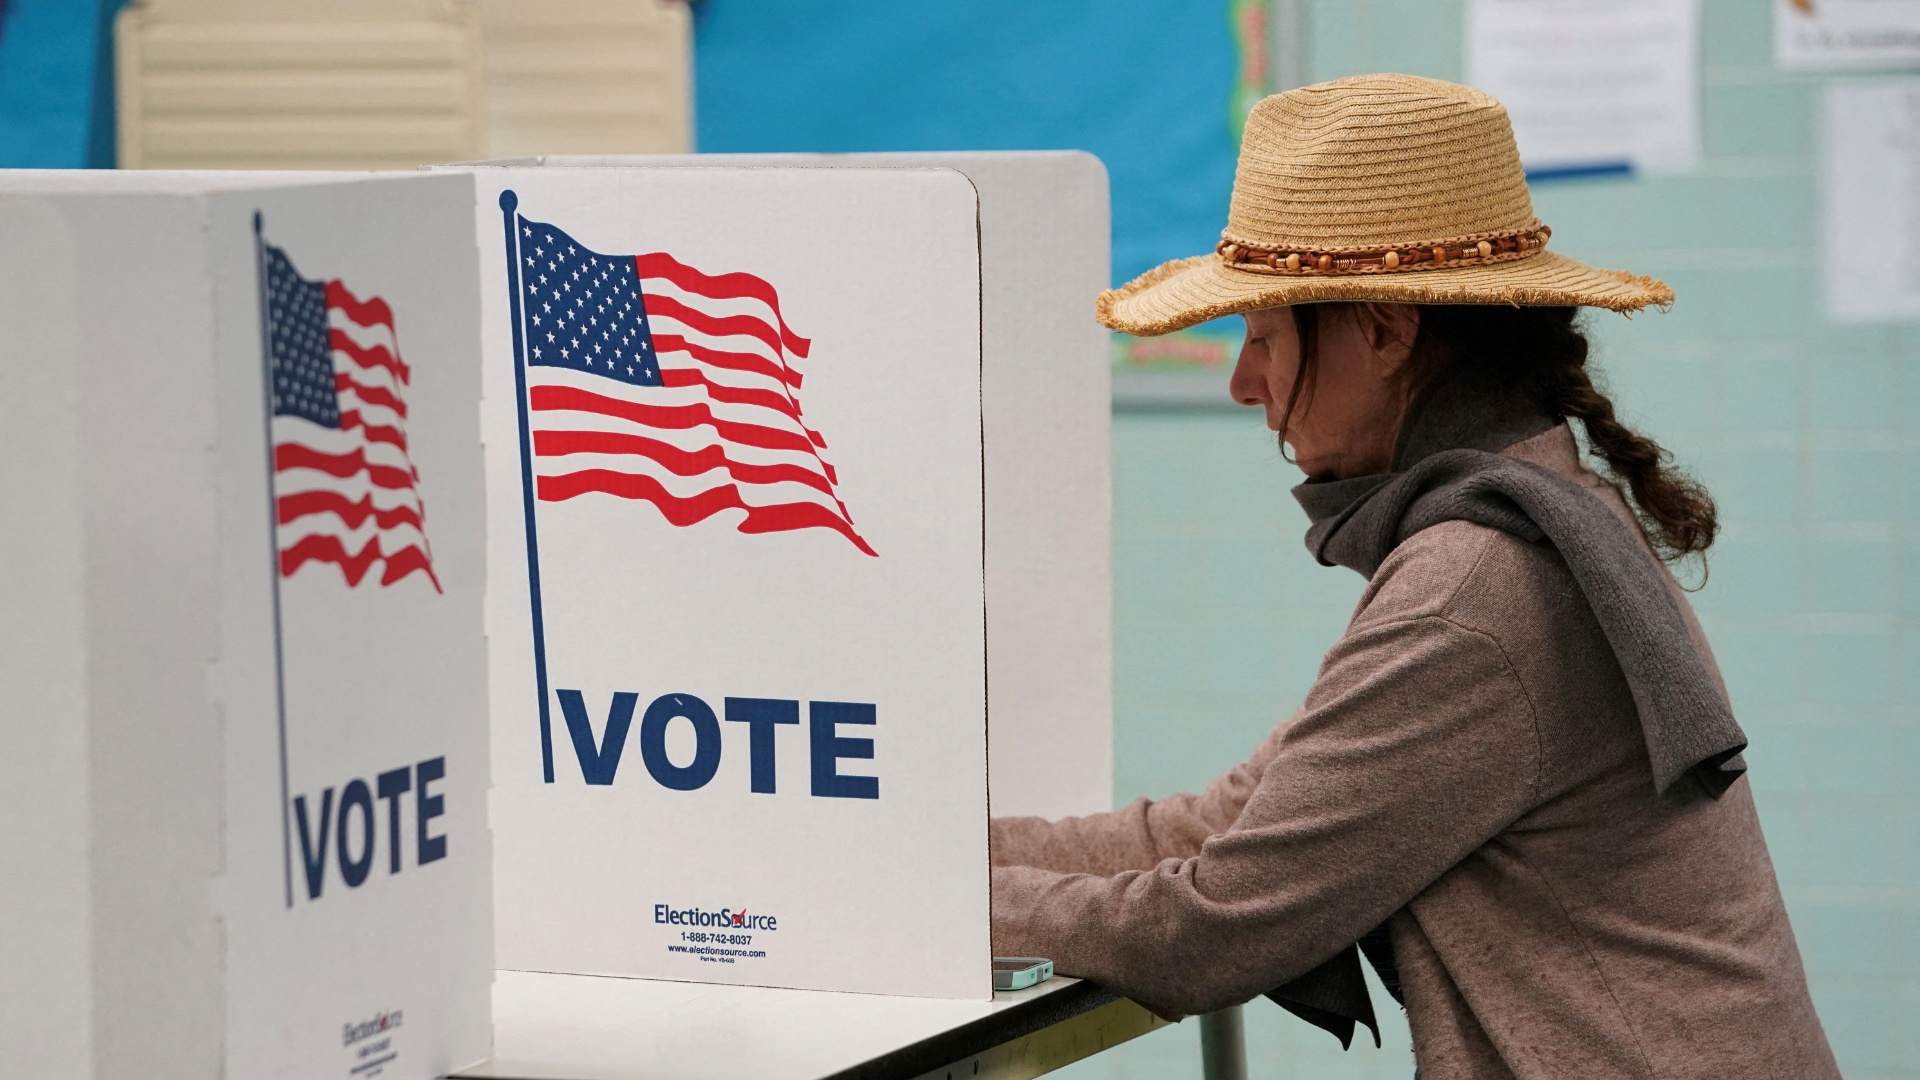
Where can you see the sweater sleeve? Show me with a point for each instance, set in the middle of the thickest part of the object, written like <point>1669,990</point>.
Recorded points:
<point>1138,835</point>
<point>1416,746</point>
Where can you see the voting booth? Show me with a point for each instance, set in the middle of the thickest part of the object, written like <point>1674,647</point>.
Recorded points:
<point>753,423</point>
<point>1035,393</point>
<point>245,793</point>
<point>1045,387</point>
<point>782,491</point>
<point>736,609</point>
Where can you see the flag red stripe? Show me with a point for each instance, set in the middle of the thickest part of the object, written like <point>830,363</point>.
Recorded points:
<point>407,560</point>
<point>381,433</point>
<point>354,565</point>
<point>677,417</point>
<point>292,455</point>
<point>740,395</point>
<point>717,325</point>
<point>720,287</point>
<point>721,358</point>
<point>369,356</point>
<point>801,515</point>
<point>681,512</point>
<point>674,459</point>
<point>370,312</point>
<point>321,501</point>
<point>733,395</point>
<point>372,395</point>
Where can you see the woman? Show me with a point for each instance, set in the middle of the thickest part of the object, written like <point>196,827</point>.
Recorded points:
<point>1516,783</point>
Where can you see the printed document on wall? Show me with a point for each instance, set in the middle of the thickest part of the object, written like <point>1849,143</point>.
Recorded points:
<point>1871,194</point>
<point>1826,35</point>
<point>1592,85</point>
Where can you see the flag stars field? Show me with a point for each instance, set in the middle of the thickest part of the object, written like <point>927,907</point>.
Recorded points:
<point>695,412</point>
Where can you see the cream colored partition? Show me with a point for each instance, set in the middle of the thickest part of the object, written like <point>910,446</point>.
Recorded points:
<point>588,77</point>
<point>298,84</point>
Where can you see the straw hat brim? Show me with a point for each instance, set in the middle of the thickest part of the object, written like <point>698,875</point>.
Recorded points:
<point>1187,292</point>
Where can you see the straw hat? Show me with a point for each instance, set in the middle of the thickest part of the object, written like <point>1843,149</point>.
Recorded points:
<point>1377,187</point>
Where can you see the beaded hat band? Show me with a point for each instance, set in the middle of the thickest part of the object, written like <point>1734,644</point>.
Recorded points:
<point>1336,180</point>
<point>1468,251</point>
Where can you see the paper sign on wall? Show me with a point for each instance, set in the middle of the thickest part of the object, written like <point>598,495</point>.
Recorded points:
<point>1592,85</point>
<point>1812,35</point>
<point>1870,195</point>
<point>733,430</point>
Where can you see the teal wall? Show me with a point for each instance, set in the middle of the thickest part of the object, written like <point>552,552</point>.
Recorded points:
<point>1092,75</point>
<point>1799,426</point>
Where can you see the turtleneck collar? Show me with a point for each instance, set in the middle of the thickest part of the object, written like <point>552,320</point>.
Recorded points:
<point>1457,414</point>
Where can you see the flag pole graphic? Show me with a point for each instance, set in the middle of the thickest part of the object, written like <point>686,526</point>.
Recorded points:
<point>509,202</point>
<point>273,545</point>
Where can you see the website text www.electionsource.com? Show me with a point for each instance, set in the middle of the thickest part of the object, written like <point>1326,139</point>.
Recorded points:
<point>718,956</point>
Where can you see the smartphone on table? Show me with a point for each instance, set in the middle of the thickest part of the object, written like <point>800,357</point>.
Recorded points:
<point>1020,972</point>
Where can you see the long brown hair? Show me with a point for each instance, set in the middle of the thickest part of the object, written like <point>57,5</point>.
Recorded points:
<point>1542,352</point>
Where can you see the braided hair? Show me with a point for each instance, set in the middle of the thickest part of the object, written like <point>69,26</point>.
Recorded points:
<point>1542,351</point>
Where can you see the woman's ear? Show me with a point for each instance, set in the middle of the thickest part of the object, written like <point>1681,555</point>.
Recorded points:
<point>1390,331</point>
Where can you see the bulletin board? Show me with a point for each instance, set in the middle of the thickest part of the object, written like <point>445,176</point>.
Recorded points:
<point>1157,92</point>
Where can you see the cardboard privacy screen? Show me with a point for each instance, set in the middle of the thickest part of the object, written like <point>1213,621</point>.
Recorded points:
<point>245,569</point>
<point>736,612</point>
<point>1045,387</point>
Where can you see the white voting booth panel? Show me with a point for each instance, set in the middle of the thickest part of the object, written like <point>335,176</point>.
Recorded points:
<point>732,424</point>
<point>243,666</point>
<point>1046,397</point>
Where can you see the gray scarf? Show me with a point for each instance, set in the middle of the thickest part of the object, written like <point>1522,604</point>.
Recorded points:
<point>1447,467</point>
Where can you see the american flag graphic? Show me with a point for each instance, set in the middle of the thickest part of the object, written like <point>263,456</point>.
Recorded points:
<point>346,491</point>
<point>650,380</point>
